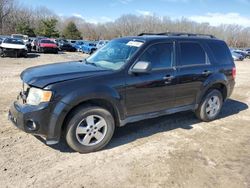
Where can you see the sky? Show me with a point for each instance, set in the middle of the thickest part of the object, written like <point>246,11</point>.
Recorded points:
<point>215,12</point>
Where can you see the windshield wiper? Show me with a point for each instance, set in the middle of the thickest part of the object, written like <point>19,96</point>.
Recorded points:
<point>90,63</point>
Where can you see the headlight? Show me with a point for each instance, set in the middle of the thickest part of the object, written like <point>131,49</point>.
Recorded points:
<point>36,96</point>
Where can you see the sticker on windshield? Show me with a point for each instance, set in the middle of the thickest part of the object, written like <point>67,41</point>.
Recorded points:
<point>135,43</point>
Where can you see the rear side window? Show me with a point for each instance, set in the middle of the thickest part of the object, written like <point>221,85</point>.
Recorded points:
<point>220,51</point>
<point>159,55</point>
<point>191,53</point>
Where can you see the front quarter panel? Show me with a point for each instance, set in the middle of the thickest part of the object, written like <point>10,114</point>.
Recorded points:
<point>109,87</point>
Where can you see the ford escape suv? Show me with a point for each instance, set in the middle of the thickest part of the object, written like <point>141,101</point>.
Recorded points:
<point>129,79</point>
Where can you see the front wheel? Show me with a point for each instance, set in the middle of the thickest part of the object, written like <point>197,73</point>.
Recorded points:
<point>210,106</point>
<point>89,129</point>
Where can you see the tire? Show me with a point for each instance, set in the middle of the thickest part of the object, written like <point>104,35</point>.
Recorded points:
<point>25,54</point>
<point>210,106</point>
<point>78,130</point>
<point>1,52</point>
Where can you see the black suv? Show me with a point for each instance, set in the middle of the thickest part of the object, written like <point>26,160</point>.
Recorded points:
<point>128,80</point>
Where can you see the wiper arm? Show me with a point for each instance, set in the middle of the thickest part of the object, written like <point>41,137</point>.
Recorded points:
<point>89,63</point>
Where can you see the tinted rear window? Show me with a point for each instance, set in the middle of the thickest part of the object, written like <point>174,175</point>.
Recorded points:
<point>192,54</point>
<point>220,51</point>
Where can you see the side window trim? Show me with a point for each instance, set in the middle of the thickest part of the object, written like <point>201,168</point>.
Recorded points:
<point>192,65</point>
<point>173,63</point>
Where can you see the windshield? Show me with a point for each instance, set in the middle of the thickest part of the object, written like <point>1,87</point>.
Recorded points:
<point>115,54</point>
<point>13,41</point>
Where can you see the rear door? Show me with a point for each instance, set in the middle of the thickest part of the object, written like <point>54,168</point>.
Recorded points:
<point>194,67</point>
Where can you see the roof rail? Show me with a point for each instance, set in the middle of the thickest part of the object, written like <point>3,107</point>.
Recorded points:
<point>179,34</point>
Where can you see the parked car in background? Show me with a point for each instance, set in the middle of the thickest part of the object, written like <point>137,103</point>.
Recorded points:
<point>78,45</point>
<point>89,47</point>
<point>248,52</point>
<point>237,56</point>
<point>13,47</point>
<point>101,43</point>
<point>1,39</point>
<point>34,43</point>
<point>72,41</point>
<point>25,38</point>
<point>241,52</point>
<point>128,80</point>
<point>46,45</point>
<point>64,45</point>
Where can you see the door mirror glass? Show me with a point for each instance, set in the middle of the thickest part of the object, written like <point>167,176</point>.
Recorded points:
<point>141,67</point>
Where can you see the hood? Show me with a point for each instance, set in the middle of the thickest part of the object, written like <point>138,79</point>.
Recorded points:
<point>13,46</point>
<point>44,75</point>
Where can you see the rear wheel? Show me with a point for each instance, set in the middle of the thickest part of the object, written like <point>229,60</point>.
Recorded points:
<point>210,106</point>
<point>89,129</point>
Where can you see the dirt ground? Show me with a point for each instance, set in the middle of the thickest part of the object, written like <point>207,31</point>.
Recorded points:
<point>171,151</point>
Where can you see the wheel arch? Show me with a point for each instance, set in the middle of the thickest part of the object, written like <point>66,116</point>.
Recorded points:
<point>100,102</point>
<point>219,85</point>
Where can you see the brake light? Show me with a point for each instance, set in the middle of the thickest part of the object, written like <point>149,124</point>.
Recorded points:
<point>234,73</point>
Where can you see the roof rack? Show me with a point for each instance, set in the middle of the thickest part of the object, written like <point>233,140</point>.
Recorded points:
<point>179,34</point>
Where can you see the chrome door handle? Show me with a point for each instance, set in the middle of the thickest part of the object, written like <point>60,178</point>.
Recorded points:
<point>206,72</point>
<point>168,77</point>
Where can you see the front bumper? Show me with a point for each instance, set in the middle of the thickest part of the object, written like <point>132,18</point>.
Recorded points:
<point>14,52</point>
<point>49,50</point>
<point>22,116</point>
<point>43,120</point>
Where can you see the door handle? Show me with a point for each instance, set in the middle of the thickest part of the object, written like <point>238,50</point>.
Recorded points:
<point>168,77</point>
<point>206,72</point>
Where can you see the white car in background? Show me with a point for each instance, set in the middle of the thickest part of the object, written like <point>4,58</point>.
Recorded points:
<point>13,47</point>
<point>25,38</point>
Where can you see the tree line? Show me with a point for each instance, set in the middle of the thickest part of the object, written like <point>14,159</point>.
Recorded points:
<point>16,18</point>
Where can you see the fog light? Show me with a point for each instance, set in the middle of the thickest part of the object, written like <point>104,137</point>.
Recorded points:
<point>31,125</point>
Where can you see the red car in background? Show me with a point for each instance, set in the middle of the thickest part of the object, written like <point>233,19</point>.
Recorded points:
<point>47,45</point>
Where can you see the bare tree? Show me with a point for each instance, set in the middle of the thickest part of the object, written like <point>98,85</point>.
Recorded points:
<point>13,13</point>
<point>5,10</point>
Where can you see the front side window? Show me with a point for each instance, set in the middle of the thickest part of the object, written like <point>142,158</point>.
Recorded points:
<point>191,53</point>
<point>159,55</point>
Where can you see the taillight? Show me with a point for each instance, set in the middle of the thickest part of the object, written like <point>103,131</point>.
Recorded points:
<point>234,73</point>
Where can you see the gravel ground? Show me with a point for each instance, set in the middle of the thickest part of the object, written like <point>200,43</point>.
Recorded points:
<point>171,151</point>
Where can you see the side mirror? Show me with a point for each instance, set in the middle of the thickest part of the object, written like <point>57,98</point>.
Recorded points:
<point>141,67</point>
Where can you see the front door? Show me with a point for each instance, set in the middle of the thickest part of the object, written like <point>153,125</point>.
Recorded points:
<point>153,91</point>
